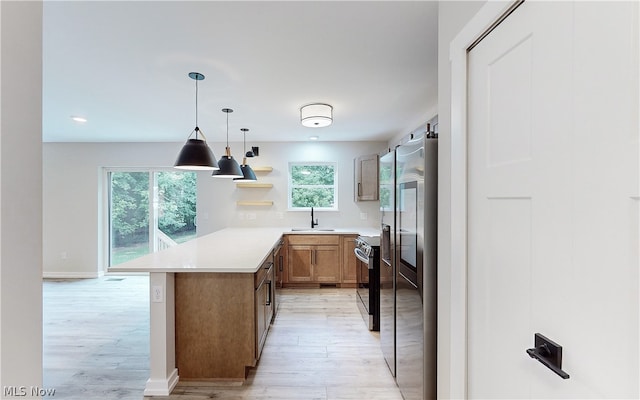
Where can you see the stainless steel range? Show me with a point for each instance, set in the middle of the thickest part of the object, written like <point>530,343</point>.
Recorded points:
<point>367,252</point>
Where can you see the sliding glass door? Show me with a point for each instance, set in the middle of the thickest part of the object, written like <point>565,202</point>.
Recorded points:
<point>149,211</point>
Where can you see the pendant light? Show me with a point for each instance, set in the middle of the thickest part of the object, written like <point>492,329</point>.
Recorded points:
<point>247,172</point>
<point>196,154</point>
<point>229,167</point>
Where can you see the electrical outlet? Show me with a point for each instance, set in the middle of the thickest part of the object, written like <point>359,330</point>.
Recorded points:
<point>251,215</point>
<point>280,215</point>
<point>63,255</point>
<point>363,216</point>
<point>157,294</point>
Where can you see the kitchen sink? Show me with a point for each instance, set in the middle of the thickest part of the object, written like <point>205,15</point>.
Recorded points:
<point>312,229</point>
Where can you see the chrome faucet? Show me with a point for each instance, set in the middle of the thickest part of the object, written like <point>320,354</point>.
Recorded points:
<point>313,223</point>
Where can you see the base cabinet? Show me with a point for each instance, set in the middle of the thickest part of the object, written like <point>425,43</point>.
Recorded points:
<point>280,261</point>
<point>326,264</point>
<point>313,260</point>
<point>300,263</point>
<point>221,322</point>
<point>314,264</point>
<point>264,306</point>
<point>349,265</point>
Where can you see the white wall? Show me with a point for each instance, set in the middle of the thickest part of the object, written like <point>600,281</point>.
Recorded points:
<point>21,195</point>
<point>73,194</point>
<point>72,199</point>
<point>404,137</point>
<point>218,198</point>
<point>452,16</point>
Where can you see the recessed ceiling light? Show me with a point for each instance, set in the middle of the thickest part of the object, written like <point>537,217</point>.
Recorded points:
<point>79,119</point>
<point>313,137</point>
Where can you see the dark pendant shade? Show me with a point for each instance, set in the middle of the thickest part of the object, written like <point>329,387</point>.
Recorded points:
<point>196,155</point>
<point>229,168</point>
<point>248,174</point>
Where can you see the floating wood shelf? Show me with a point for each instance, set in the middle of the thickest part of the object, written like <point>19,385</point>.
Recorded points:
<point>255,203</point>
<point>262,169</point>
<point>254,185</point>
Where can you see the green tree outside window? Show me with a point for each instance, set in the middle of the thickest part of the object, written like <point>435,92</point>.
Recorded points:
<point>313,185</point>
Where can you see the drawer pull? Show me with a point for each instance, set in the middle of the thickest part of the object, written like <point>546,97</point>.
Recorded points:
<point>268,303</point>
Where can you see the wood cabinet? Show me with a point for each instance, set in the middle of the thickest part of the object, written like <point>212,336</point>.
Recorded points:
<point>280,261</point>
<point>264,304</point>
<point>349,270</point>
<point>261,318</point>
<point>313,259</point>
<point>222,321</point>
<point>366,178</point>
<point>300,263</point>
<point>326,264</point>
<point>214,341</point>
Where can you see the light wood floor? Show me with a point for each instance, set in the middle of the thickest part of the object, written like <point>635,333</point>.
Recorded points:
<point>96,346</point>
<point>96,337</point>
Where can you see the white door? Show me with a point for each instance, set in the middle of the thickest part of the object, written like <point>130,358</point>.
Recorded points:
<point>553,172</point>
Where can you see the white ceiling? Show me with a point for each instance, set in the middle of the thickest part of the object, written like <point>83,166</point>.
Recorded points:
<point>124,66</point>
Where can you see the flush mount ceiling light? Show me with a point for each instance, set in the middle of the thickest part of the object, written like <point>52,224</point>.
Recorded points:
<point>229,167</point>
<point>247,172</point>
<point>196,154</point>
<point>316,115</point>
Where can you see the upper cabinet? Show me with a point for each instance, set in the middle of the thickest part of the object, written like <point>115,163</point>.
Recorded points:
<point>366,178</point>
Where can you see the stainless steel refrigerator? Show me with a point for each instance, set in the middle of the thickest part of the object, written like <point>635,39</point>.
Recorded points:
<point>408,272</point>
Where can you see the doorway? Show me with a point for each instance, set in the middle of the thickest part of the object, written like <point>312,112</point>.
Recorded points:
<point>149,211</point>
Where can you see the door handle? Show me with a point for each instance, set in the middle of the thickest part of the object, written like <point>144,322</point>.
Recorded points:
<point>549,353</point>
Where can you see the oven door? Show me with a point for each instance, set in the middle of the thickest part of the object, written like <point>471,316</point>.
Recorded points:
<point>363,288</point>
<point>362,276</point>
<point>360,255</point>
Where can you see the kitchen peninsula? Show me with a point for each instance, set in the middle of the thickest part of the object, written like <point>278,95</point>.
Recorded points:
<point>203,305</point>
<point>211,304</point>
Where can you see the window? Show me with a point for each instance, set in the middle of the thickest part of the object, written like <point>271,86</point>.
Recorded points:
<point>149,211</point>
<point>313,185</point>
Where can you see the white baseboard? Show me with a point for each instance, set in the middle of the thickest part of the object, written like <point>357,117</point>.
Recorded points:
<point>162,387</point>
<point>71,275</point>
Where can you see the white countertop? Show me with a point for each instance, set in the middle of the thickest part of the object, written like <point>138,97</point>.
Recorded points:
<point>337,231</point>
<point>237,250</point>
